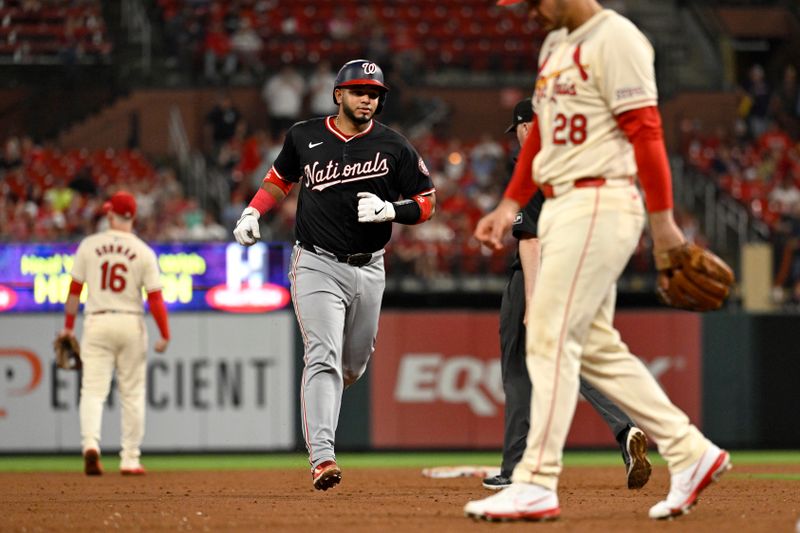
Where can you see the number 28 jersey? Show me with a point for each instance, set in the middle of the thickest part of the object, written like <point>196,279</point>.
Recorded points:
<point>586,78</point>
<point>332,169</point>
<point>115,265</point>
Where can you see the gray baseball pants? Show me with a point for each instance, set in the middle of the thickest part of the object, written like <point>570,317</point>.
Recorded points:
<point>337,307</point>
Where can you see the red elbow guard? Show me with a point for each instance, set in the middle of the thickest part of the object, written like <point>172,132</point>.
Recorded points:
<point>425,207</point>
<point>274,178</point>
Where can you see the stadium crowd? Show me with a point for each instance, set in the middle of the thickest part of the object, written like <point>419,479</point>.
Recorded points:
<point>757,161</point>
<point>236,41</point>
<point>51,32</point>
<point>47,194</point>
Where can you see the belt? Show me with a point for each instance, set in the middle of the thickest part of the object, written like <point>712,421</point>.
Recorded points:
<point>114,312</point>
<point>356,260</point>
<point>551,191</point>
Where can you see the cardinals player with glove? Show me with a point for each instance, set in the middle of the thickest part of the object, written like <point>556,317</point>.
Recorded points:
<point>692,278</point>
<point>68,352</point>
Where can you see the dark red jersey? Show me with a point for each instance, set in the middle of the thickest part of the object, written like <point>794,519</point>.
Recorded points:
<point>332,169</point>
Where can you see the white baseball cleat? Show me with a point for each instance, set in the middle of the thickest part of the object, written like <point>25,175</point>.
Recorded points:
<point>520,501</point>
<point>686,485</point>
<point>131,467</point>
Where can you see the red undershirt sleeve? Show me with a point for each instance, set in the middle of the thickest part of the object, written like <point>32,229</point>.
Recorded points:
<point>75,288</point>
<point>159,312</point>
<point>643,128</point>
<point>521,188</point>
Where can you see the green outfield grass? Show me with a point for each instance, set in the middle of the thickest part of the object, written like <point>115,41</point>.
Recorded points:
<point>72,463</point>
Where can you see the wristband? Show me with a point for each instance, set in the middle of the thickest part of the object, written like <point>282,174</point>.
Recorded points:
<point>415,210</point>
<point>262,202</point>
<point>406,212</point>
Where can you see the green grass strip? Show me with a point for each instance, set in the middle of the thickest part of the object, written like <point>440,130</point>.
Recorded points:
<point>265,461</point>
<point>766,457</point>
<point>780,476</point>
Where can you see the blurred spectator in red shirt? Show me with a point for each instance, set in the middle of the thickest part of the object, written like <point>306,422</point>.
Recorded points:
<point>218,54</point>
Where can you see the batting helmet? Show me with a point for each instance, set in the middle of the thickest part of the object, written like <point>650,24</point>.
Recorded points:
<point>361,72</point>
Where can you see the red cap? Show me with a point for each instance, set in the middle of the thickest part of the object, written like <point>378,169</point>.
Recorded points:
<point>122,203</point>
<point>508,2</point>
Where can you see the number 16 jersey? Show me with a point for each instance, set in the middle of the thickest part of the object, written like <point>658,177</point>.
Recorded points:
<point>115,265</point>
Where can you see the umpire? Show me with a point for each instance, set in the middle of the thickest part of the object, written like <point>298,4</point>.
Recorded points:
<point>516,381</point>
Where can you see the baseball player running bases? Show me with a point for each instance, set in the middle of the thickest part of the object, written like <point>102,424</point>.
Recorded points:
<point>115,265</point>
<point>597,126</point>
<point>353,172</point>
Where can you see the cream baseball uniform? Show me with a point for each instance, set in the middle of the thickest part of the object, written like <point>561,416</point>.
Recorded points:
<point>115,265</point>
<point>588,234</point>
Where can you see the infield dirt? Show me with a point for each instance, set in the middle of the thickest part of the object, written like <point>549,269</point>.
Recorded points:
<point>376,500</point>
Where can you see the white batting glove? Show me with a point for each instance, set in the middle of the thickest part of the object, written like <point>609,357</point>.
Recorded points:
<point>373,209</point>
<point>247,231</point>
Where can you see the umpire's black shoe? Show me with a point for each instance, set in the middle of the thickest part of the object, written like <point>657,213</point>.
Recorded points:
<point>498,482</point>
<point>634,452</point>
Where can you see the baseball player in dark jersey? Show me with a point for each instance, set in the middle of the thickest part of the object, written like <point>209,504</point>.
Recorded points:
<point>353,172</point>
<point>516,381</point>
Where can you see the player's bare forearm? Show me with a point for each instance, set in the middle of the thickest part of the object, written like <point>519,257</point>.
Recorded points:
<point>664,231</point>
<point>273,190</point>
<point>160,345</point>
<point>529,256</point>
<point>493,226</point>
<point>71,305</point>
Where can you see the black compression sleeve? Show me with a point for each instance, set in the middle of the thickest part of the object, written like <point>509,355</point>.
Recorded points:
<point>406,212</point>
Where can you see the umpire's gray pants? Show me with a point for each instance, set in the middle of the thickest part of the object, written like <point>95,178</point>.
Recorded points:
<point>337,308</point>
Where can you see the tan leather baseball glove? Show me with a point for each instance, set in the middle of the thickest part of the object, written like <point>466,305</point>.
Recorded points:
<point>692,278</point>
<point>68,353</point>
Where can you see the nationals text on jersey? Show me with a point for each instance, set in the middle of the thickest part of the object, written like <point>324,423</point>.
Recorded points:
<point>319,177</point>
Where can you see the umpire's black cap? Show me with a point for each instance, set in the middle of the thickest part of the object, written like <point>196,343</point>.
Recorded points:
<point>523,112</point>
